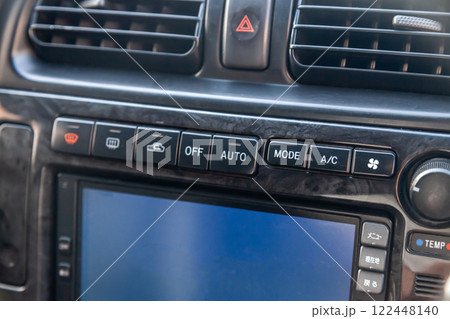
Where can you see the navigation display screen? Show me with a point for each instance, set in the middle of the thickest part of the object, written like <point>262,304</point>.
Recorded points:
<point>132,250</point>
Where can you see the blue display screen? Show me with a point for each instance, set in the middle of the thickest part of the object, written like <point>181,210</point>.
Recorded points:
<point>206,252</point>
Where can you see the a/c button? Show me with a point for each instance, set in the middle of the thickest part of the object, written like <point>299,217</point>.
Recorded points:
<point>330,158</point>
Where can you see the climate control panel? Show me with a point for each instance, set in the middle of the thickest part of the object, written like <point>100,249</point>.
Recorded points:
<point>213,151</point>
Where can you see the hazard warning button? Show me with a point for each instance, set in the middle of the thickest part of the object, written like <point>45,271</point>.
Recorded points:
<point>246,34</point>
<point>245,25</point>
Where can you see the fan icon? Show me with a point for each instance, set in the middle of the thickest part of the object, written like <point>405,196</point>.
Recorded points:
<point>373,163</point>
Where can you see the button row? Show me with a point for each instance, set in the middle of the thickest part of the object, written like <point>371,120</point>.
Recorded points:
<point>205,151</point>
<point>372,258</point>
<point>152,145</point>
<point>288,153</point>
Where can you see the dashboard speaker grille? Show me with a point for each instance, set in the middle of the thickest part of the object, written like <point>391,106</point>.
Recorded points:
<point>354,42</point>
<point>429,286</point>
<point>163,34</point>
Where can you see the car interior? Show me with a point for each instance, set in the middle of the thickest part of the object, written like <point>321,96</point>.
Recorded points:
<point>225,150</point>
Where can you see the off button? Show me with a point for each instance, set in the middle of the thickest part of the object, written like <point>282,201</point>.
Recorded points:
<point>194,150</point>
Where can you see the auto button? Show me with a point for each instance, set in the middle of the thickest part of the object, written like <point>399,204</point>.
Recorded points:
<point>234,154</point>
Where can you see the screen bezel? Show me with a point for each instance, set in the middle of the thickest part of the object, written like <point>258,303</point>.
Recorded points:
<point>69,200</point>
<point>211,199</point>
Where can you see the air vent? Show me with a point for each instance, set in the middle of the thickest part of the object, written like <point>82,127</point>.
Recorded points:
<point>394,44</point>
<point>429,286</point>
<point>162,35</point>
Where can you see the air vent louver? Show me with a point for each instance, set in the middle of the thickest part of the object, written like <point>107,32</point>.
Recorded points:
<point>429,286</point>
<point>162,35</point>
<point>368,48</point>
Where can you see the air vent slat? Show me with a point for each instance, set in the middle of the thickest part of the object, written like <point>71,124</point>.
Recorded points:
<point>371,30</point>
<point>111,13</point>
<point>429,286</point>
<point>163,35</point>
<point>374,10</point>
<point>430,279</point>
<point>112,32</point>
<point>368,49</point>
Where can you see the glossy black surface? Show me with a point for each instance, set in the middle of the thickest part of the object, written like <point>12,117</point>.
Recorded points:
<point>15,164</point>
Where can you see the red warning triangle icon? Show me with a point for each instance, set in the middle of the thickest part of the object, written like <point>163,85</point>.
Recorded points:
<point>245,25</point>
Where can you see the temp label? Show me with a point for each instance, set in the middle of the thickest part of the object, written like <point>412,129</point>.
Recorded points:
<point>430,244</point>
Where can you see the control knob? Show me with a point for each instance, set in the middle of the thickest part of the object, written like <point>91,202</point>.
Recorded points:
<point>430,189</point>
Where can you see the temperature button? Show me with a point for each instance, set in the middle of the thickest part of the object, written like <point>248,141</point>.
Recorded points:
<point>430,244</point>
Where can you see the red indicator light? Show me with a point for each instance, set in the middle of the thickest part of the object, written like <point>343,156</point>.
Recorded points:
<point>448,246</point>
<point>71,138</point>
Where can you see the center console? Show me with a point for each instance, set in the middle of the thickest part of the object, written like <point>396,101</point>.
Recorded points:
<point>214,175</point>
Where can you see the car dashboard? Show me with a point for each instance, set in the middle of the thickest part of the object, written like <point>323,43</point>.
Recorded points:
<point>224,150</point>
